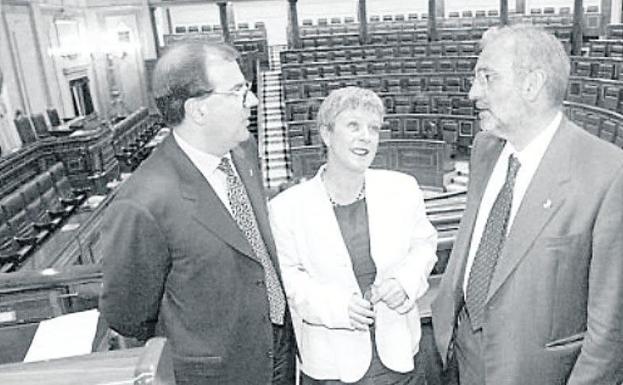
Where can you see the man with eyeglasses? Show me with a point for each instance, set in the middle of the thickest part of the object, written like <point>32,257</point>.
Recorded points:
<point>188,252</point>
<point>533,290</point>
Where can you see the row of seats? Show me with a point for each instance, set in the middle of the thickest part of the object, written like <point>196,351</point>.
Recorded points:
<point>406,35</point>
<point>341,68</point>
<point>399,103</point>
<point>396,83</point>
<point>454,130</point>
<point>603,68</point>
<point>377,51</point>
<point>614,31</point>
<point>33,212</point>
<point>243,29</point>
<point>606,48</point>
<point>606,94</point>
<point>599,122</point>
<point>131,138</point>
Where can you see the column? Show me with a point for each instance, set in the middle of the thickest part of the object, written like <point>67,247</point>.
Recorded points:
<point>616,9</point>
<point>520,7</point>
<point>504,12</point>
<point>294,37</point>
<point>576,33</point>
<point>167,20</point>
<point>222,7</point>
<point>154,29</point>
<point>605,9</point>
<point>432,20</point>
<point>362,14</point>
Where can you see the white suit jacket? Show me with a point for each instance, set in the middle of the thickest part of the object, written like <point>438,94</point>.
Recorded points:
<point>319,279</point>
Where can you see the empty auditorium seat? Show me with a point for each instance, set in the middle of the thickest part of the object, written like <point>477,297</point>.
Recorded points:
<point>608,130</point>
<point>25,130</point>
<point>493,13</point>
<point>349,20</point>
<point>393,85</point>
<point>452,84</point>
<point>435,84</point>
<point>421,105</point>
<point>467,14</point>
<point>402,104</point>
<point>374,84</point>
<point>53,117</point>
<point>292,73</point>
<point>409,66</point>
<point>481,13</point>
<point>445,65</point>
<point>419,50</point>
<point>590,93</point>
<point>369,53</point>
<point>307,23</point>
<point>582,68</point>
<point>399,18</point>
<point>40,126</point>
<point>564,11</point>
<point>413,84</point>
<point>180,29</point>
<point>14,209</point>
<point>328,71</point>
<point>536,11</point>
<point>63,186</point>
<point>377,67</point>
<point>412,128</point>
<point>323,22</point>
<point>615,50</point>
<point>36,209</point>
<point>610,97</point>
<point>453,14</point>
<point>394,67</point>
<point>312,73</point>
<point>412,16</point>
<point>193,28</point>
<point>361,68</point>
<point>314,90</point>
<point>592,123</point>
<point>427,66</point>
<point>592,9</point>
<point>435,50</point>
<point>345,70</point>
<point>597,49</point>
<point>50,197</point>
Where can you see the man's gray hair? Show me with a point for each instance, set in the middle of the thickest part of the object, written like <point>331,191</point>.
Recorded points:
<point>348,98</point>
<point>535,48</point>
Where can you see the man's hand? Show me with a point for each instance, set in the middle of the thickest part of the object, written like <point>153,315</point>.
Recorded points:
<point>360,312</point>
<point>390,292</point>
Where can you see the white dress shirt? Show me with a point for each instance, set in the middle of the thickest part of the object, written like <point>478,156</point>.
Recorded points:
<point>208,166</point>
<point>529,158</point>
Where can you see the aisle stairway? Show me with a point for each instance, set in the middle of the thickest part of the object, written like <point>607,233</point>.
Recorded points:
<point>272,136</point>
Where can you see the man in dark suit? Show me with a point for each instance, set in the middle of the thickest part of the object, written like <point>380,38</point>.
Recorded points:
<point>533,292</point>
<point>188,250</point>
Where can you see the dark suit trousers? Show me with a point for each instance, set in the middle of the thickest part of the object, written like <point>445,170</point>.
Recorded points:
<point>283,354</point>
<point>468,351</point>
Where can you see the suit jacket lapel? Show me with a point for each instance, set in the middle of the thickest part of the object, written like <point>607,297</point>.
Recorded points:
<point>545,195</point>
<point>207,208</point>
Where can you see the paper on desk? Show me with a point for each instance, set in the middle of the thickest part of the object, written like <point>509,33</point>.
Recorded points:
<point>64,336</point>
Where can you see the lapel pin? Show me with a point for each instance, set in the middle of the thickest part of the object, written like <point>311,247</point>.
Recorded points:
<point>547,204</point>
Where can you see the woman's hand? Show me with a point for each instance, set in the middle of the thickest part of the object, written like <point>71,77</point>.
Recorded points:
<point>390,292</point>
<point>360,312</point>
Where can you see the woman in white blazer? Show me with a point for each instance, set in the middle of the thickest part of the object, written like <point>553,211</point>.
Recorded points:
<point>355,250</point>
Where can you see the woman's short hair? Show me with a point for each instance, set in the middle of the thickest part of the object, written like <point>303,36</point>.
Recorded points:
<point>348,98</point>
<point>181,73</point>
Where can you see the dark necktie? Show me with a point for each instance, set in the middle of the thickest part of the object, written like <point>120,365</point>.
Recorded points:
<point>245,218</point>
<point>490,247</point>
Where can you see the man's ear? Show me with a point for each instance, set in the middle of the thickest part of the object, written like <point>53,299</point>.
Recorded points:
<point>193,110</point>
<point>534,83</point>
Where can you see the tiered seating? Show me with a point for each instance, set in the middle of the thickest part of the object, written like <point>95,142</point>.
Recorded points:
<point>250,42</point>
<point>131,138</point>
<point>594,99</point>
<point>33,212</point>
<point>390,31</point>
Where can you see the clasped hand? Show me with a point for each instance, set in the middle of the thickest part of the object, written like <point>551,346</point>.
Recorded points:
<point>361,311</point>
